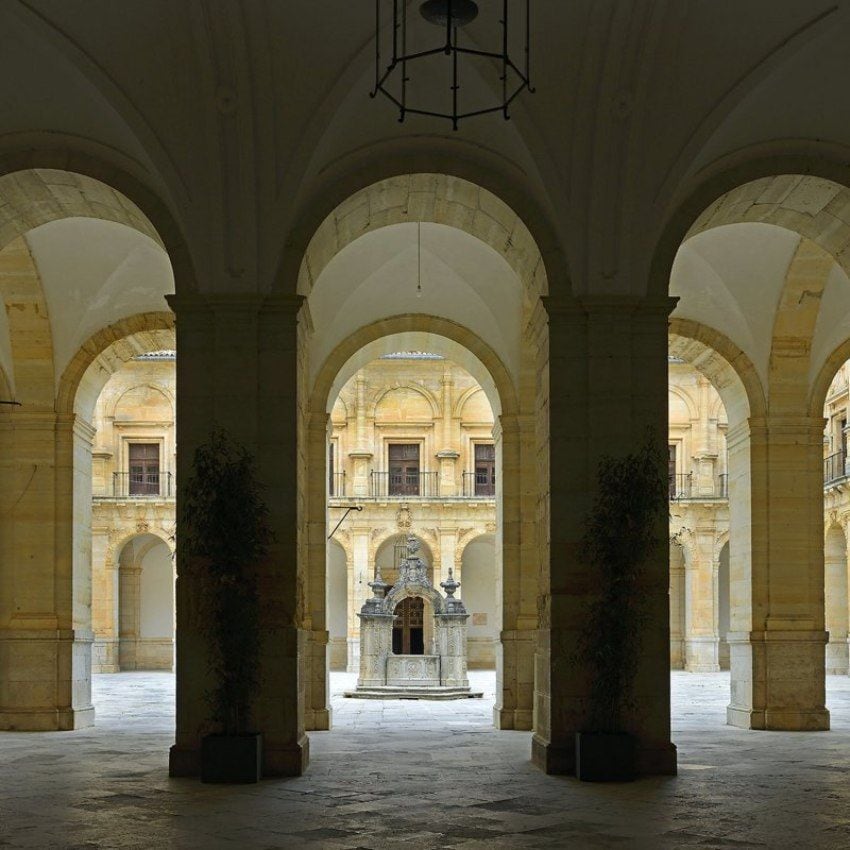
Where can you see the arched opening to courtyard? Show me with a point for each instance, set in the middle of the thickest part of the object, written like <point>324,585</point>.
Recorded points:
<point>83,275</point>
<point>426,265</point>
<point>412,455</point>
<point>765,261</point>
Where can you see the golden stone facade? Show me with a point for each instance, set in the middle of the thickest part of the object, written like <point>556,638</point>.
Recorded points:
<point>441,416</point>
<point>133,518</point>
<point>433,404</point>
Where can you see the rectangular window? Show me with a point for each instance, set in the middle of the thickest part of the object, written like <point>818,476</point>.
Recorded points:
<point>331,469</point>
<point>404,469</point>
<point>144,469</point>
<point>671,470</point>
<point>485,469</point>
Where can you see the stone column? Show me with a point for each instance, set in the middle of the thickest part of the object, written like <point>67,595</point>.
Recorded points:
<point>677,604</point>
<point>317,710</point>
<point>45,571</point>
<point>238,367</point>
<point>447,457</point>
<point>705,452</point>
<point>777,635</point>
<point>358,590</point>
<point>836,610</point>
<point>701,637</point>
<point>362,454</point>
<point>129,605</point>
<point>516,579</point>
<point>448,559</point>
<point>604,382</point>
<point>104,605</point>
<point>352,623</point>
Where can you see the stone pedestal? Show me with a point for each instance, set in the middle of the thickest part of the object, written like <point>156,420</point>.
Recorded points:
<point>450,637</point>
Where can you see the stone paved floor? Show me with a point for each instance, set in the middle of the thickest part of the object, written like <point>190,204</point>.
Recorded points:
<point>424,775</point>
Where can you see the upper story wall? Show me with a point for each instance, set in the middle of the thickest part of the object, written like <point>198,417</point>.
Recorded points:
<point>427,402</point>
<point>136,407</point>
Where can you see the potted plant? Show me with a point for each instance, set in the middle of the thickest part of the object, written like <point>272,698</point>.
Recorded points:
<point>225,534</point>
<point>624,529</point>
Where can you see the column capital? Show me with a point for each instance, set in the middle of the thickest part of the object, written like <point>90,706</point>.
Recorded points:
<point>235,302</point>
<point>609,306</point>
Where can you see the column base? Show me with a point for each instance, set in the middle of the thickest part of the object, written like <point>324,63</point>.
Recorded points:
<point>516,719</point>
<point>702,654</point>
<point>317,711</point>
<point>318,720</point>
<point>39,666</point>
<point>277,761</point>
<point>515,660</point>
<point>560,760</point>
<point>287,761</point>
<point>46,719</point>
<point>778,680</point>
<point>837,659</point>
<point>554,759</point>
<point>781,720</point>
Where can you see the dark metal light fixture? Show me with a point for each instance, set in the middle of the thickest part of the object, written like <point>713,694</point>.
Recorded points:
<point>411,48</point>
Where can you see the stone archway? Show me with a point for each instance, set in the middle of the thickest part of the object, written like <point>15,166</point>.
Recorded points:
<point>49,521</point>
<point>417,332</point>
<point>785,446</point>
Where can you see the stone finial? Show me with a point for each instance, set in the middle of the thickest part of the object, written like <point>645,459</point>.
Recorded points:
<point>450,585</point>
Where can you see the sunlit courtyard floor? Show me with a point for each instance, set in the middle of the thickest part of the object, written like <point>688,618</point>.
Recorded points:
<point>424,775</point>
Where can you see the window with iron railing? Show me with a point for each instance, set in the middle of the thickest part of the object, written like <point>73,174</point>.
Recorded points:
<point>132,485</point>
<point>143,475</point>
<point>834,467</point>
<point>404,485</point>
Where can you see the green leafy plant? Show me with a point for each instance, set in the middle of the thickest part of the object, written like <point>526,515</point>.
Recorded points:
<point>224,536</point>
<point>624,529</point>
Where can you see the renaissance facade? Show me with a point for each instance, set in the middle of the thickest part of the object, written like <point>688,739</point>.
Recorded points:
<point>410,445</point>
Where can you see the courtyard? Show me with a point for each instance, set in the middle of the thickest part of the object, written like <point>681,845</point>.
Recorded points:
<point>424,775</point>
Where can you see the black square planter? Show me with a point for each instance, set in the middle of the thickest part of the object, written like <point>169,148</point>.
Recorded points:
<point>605,756</point>
<point>231,758</point>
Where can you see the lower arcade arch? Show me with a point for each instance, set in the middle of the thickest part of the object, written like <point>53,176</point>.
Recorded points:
<point>465,414</point>
<point>706,617</point>
<point>740,555</point>
<point>145,615</point>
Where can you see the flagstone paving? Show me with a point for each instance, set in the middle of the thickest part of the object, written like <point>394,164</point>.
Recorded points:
<point>402,774</point>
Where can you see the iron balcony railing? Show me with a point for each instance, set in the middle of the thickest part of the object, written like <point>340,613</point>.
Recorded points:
<point>682,487</point>
<point>478,486</point>
<point>336,485</point>
<point>131,485</point>
<point>405,485</point>
<point>834,467</point>
<point>679,486</point>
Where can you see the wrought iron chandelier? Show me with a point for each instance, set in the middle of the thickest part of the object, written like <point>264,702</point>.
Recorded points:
<point>414,49</point>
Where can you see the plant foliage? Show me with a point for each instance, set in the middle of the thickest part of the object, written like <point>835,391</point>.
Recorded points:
<point>225,534</point>
<point>623,530</point>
